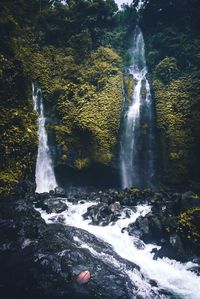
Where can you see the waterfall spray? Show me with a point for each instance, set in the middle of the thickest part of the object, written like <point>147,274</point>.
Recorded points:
<point>44,175</point>
<point>137,140</point>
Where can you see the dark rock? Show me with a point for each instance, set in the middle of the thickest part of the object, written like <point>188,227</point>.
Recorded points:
<point>40,261</point>
<point>54,206</point>
<point>124,229</point>
<point>127,213</point>
<point>50,205</point>
<point>138,244</point>
<point>140,229</point>
<point>103,214</point>
<point>189,200</point>
<point>41,196</point>
<point>60,192</point>
<point>81,201</point>
<point>195,269</point>
<point>173,249</point>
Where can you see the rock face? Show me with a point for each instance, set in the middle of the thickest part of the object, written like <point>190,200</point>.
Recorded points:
<point>167,226</point>
<point>103,214</point>
<point>42,261</point>
<point>51,205</point>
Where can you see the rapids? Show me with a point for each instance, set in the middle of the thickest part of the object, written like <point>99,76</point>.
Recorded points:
<point>172,279</point>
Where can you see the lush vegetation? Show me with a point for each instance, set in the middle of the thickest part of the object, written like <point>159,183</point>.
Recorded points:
<point>75,52</point>
<point>172,39</point>
<point>72,51</point>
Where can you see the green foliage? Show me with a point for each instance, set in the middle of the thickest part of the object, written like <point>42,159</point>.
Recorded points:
<point>172,47</point>
<point>188,224</point>
<point>128,86</point>
<point>18,146</point>
<point>89,112</point>
<point>86,100</point>
<point>166,70</point>
<point>175,108</point>
<point>68,50</point>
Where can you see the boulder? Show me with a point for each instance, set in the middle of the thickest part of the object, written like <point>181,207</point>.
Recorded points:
<point>55,206</point>
<point>103,214</point>
<point>60,192</point>
<point>41,261</point>
<point>173,248</point>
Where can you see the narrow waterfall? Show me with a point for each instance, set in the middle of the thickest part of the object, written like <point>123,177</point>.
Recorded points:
<point>45,177</point>
<point>137,138</point>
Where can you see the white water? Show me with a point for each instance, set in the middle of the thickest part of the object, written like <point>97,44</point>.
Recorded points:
<point>136,150</point>
<point>44,175</point>
<point>140,5</point>
<point>170,275</point>
<point>129,2</point>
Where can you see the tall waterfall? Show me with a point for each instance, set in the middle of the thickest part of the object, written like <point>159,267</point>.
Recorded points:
<point>137,139</point>
<point>45,177</point>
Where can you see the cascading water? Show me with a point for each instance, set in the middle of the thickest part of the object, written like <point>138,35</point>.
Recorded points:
<point>174,280</point>
<point>45,177</point>
<point>137,139</point>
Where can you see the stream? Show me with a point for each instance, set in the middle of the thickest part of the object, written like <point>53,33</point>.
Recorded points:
<point>161,278</point>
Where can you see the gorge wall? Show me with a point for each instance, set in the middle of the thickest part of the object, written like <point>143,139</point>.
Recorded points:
<point>76,54</point>
<point>171,30</point>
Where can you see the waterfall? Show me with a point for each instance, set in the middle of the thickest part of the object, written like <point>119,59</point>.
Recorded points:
<point>137,138</point>
<point>45,177</point>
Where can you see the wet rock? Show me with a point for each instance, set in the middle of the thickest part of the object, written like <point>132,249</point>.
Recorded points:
<point>58,219</point>
<point>173,249</point>
<point>195,269</point>
<point>51,205</point>
<point>138,244</point>
<point>103,214</point>
<point>140,229</point>
<point>123,230</point>
<point>55,206</point>
<point>127,212</point>
<point>60,192</point>
<point>39,260</point>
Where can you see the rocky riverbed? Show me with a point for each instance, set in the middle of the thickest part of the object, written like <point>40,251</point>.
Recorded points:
<point>41,260</point>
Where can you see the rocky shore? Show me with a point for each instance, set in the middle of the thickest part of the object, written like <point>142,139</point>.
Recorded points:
<point>42,261</point>
<point>173,222</point>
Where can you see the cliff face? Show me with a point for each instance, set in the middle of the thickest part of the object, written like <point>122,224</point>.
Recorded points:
<point>79,69</point>
<point>172,41</point>
<point>79,73</point>
<point>84,101</point>
<point>18,136</point>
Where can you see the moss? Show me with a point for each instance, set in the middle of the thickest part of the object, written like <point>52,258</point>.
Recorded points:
<point>134,190</point>
<point>128,86</point>
<point>18,147</point>
<point>86,100</point>
<point>8,180</point>
<point>174,107</point>
<point>81,163</point>
<point>166,69</point>
<point>89,111</point>
<point>189,223</point>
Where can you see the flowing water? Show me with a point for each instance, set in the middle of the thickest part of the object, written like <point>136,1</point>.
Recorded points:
<point>173,279</point>
<point>153,279</point>
<point>44,175</point>
<point>137,145</point>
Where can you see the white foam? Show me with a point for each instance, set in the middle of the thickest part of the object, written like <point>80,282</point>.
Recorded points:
<point>169,274</point>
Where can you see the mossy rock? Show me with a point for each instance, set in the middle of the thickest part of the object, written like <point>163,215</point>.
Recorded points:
<point>189,223</point>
